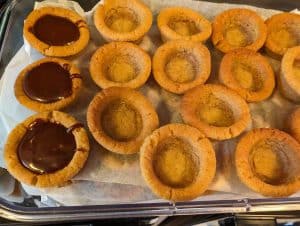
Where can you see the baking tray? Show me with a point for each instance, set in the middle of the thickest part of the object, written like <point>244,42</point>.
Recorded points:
<point>28,211</point>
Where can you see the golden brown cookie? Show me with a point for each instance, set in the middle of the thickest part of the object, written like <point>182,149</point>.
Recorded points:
<point>121,64</point>
<point>120,118</point>
<point>283,32</point>
<point>248,73</point>
<point>237,28</point>
<point>294,124</point>
<point>123,20</point>
<point>47,149</point>
<point>55,31</point>
<point>48,84</point>
<point>289,79</point>
<point>183,23</point>
<point>178,162</point>
<point>267,161</point>
<point>181,65</point>
<point>215,110</point>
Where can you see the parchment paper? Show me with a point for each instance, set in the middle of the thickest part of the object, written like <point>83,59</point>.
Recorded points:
<point>109,177</point>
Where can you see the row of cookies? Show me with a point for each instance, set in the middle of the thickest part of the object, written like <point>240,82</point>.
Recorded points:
<point>177,161</point>
<point>177,66</point>
<point>120,21</point>
<point>131,20</point>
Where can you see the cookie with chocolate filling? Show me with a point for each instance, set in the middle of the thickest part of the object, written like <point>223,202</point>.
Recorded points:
<point>48,84</point>
<point>56,31</point>
<point>47,149</point>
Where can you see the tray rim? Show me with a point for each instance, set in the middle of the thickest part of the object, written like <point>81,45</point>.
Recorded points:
<point>134,210</point>
<point>65,213</point>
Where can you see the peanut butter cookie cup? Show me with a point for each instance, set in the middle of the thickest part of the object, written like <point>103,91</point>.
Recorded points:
<point>181,65</point>
<point>248,73</point>
<point>294,124</point>
<point>289,79</point>
<point>47,149</point>
<point>48,84</point>
<point>120,119</point>
<point>215,110</point>
<point>123,20</point>
<point>267,161</point>
<point>121,64</point>
<point>183,23</point>
<point>56,32</point>
<point>237,28</point>
<point>178,162</point>
<point>283,33</point>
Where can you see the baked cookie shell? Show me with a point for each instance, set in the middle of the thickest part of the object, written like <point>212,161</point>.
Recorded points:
<point>197,62</point>
<point>51,50</point>
<point>98,105</point>
<point>237,111</point>
<point>237,28</point>
<point>135,8</point>
<point>201,148</point>
<point>176,23</point>
<point>121,55</point>
<point>288,146</point>
<point>57,178</point>
<point>294,122</point>
<point>283,32</point>
<point>39,106</point>
<point>255,81</point>
<point>289,83</point>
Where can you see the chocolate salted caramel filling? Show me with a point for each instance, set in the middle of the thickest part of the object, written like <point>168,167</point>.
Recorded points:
<point>48,82</point>
<point>55,30</point>
<point>47,146</point>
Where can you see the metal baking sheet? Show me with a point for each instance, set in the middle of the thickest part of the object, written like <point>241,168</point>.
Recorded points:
<point>29,212</point>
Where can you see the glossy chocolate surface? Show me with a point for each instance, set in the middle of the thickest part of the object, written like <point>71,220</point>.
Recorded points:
<point>48,82</point>
<point>46,147</point>
<point>55,30</point>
